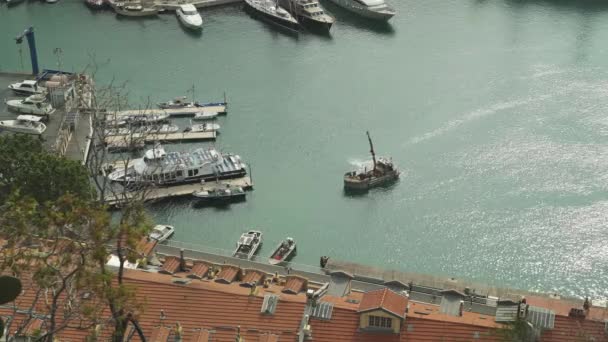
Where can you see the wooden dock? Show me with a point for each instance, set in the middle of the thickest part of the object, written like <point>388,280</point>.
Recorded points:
<point>180,190</point>
<point>173,5</point>
<point>173,112</point>
<point>120,140</point>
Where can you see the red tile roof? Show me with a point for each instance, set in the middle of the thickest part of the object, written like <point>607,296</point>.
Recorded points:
<point>228,274</point>
<point>199,270</point>
<point>160,334</point>
<point>295,284</point>
<point>200,335</point>
<point>171,265</point>
<point>269,338</point>
<point>253,277</point>
<point>384,299</point>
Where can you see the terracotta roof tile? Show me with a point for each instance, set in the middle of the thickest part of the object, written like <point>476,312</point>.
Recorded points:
<point>269,338</point>
<point>199,270</point>
<point>384,299</point>
<point>295,284</point>
<point>171,265</point>
<point>160,334</point>
<point>200,335</point>
<point>34,327</point>
<point>228,274</point>
<point>253,277</point>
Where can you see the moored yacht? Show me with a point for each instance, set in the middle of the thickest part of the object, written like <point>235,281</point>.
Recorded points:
<point>309,13</point>
<point>34,104</point>
<point>189,17</point>
<point>168,168</point>
<point>149,129</point>
<point>28,124</point>
<point>372,9</point>
<point>204,127</point>
<point>271,12</point>
<point>133,9</point>
<point>248,244</point>
<point>27,87</point>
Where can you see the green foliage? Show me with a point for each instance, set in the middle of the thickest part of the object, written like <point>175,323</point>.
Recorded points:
<point>25,166</point>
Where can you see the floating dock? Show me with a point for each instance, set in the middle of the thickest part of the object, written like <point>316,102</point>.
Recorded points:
<point>137,138</point>
<point>173,5</point>
<point>173,112</point>
<point>178,190</point>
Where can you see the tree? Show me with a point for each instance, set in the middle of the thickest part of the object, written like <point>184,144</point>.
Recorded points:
<point>27,167</point>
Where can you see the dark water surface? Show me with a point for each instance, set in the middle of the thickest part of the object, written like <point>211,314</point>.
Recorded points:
<point>495,110</point>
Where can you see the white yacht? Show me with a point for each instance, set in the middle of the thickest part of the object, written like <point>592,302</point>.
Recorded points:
<point>206,115</point>
<point>149,129</point>
<point>29,124</point>
<point>161,232</point>
<point>189,17</point>
<point>34,104</point>
<point>248,244</point>
<point>373,9</point>
<point>167,168</point>
<point>27,87</point>
<point>204,127</point>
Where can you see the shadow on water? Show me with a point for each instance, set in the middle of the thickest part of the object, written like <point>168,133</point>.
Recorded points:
<point>344,17</point>
<point>583,5</point>
<point>220,206</point>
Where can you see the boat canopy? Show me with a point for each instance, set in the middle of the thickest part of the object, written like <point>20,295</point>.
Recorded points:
<point>158,152</point>
<point>33,118</point>
<point>186,8</point>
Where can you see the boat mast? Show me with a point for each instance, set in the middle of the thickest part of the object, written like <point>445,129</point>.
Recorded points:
<point>371,149</point>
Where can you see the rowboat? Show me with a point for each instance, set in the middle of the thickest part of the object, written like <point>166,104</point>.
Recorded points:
<point>284,251</point>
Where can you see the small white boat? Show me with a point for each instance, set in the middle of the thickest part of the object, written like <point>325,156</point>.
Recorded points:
<point>34,104</point>
<point>204,127</point>
<point>161,232</point>
<point>189,17</point>
<point>133,9</point>
<point>221,194</point>
<point>248,244</point>
<point>29,124</point>
<point>284,251</point>
<point>206,115</point>
<point>27,87</point>
<point>178,102</point>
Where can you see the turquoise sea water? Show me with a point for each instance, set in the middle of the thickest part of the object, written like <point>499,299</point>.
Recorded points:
<point>496,111</point>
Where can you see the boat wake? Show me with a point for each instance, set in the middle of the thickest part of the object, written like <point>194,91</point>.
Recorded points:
<point>474,115</point>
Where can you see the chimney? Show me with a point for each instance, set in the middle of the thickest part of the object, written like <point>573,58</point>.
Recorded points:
<point>182,260</point>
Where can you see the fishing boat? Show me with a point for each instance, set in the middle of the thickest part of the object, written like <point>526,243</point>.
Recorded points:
<point>248,244</point>
<point>178,102</point>
<point>189,17</point>
<point>221,193</point>
<point>27,87</point>
<point>206,115</point>
<point>149,129</point>
<point>34,104</point>
<point>163,168</point>
<point>309,13</point>
<point>29,124</point>
<point>383,172</point>
<point>372,9</point>
<point>133,9</point>
<point>204,127</point>
<point>284,251</point>
<point>271,12</point>
<point>161,232</point>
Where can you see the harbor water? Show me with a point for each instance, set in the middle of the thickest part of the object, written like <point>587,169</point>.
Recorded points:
<point>495,111</point>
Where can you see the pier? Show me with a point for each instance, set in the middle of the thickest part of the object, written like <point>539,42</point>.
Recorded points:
<point>123,140</point>
<point>174,5</point>
<point>173,112</point>
<point>160,193</point>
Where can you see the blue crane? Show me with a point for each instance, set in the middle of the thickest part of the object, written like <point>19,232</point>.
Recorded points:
<point>31,42</point>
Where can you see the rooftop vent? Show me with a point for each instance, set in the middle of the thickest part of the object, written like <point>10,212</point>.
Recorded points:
<point>269,305</point>
<point>540,317</point>
<point>180,281</point>
<point>322,310</point>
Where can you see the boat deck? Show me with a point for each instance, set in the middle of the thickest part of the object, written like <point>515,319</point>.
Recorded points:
<point>179,190</point>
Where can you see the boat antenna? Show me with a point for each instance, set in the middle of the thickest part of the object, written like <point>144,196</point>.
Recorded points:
<point>371,149</point>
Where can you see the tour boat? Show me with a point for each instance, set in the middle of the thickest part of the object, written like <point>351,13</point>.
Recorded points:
<point>284,251</point>
<point>222,193</point>
<point>149,129</point>
<point>161,232</point>
<point>189,17</point>
<point>372,9</point>
<point>206,115</point>
<point>204,127</point>
<point>248,244</point>
<point>271,12</point>
<point>169,168</point>
<point>383,172</point>
<point>27,87</point>
<point>134,9</point>
<point>34,104</point>
<point>29,124</point>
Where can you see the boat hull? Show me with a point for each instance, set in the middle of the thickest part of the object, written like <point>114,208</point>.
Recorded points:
<point>221,199</point>
<point>5,126</point>
<point>367,184</point>
<point>315,25</point>
<point>271,19</point>
<point>286,258</point>
<point>364,11</point>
